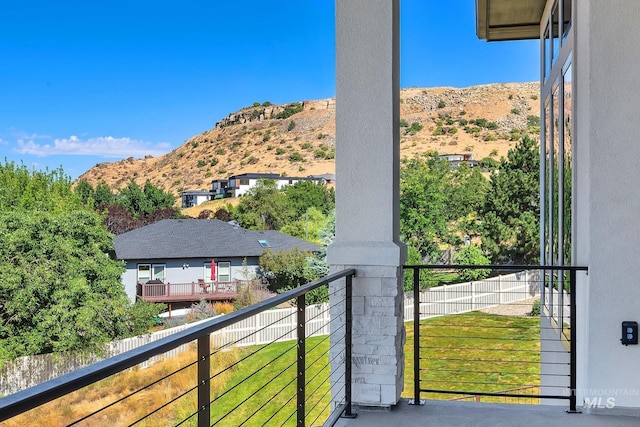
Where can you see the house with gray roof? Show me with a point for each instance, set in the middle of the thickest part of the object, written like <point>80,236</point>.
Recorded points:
<point>189,259</point>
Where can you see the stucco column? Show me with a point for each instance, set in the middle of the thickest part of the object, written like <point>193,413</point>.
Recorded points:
<point>607,200</point>
<point>367,192</point>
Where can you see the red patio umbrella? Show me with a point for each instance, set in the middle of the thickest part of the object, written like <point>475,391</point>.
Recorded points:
<point>213,270</point>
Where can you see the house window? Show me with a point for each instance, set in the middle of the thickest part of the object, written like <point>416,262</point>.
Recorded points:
<point>556,148</point>
<point>148,272</point>
<point>224,271</point>
<point>244,181</point>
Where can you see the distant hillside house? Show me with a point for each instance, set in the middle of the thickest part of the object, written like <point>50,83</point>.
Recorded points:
<point>194,197</point>
<point>238,185</point>
<point>185,260</point>
<point>455,160</point>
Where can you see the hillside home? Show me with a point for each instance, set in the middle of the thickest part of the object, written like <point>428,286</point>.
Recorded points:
<point>455,160</point>
<point>194,197</point>
<point>239,185</point>
<point>165,261</point>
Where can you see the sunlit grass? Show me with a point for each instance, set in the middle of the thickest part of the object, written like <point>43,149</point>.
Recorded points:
<point>257,385</point>
<point>476,352</point>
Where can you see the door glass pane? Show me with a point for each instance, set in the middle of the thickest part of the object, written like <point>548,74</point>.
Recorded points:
<point>144,273</point>
<point>158,272</point>
<point>207,271</point>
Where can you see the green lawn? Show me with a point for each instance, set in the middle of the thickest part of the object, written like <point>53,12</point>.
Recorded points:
<point>263,387</point>
<point>475,351</point>
<point>509,347</point>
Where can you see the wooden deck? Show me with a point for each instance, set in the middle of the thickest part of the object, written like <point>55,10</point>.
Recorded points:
<point>180,292</point>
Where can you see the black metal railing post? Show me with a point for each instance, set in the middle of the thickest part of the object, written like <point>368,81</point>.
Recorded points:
<point>301,365</point>
<point>416,339</point>
<point>204,389</point>
<point>347,346</point>
<point>573,348</point>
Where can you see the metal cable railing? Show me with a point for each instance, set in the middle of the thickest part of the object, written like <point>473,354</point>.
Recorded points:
<point>504,337</point>
<point>277,383</point>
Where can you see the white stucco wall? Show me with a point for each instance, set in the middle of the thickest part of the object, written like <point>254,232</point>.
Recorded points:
<point>607,205</point>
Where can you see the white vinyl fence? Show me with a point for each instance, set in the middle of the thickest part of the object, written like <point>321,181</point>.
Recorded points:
<point>471,296</point>
<point>278,325</point>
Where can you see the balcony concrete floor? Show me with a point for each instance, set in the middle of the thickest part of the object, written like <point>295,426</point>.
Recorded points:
<point>450,414</point>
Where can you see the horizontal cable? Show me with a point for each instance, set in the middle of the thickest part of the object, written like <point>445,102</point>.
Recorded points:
<point>166,404</point>
<point>260,348</point>
<point>453,359</point>
<point>266,384</point>
<point>471,371</point>
<point>254,373</point>
<point>123,398</point>
<point>244,337</point>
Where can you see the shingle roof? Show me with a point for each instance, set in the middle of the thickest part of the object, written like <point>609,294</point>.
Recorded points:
<point>200,238</point>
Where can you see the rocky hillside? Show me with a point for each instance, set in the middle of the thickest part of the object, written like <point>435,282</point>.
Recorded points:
<point>298,139</point>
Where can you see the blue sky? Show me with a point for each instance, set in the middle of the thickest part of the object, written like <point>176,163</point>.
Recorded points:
<point>85,82</point>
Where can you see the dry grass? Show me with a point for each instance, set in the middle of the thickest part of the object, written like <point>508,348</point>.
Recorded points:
<point>223,307</point>
<point>180,373</point>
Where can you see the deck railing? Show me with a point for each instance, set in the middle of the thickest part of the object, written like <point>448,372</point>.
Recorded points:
<point>293,386</point>
<point>460,351</point>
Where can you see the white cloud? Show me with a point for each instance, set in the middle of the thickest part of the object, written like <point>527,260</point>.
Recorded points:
<point>103,146</point>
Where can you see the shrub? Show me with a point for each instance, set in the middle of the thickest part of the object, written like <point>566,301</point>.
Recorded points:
<point>533,121</point>
<point>515,111</point>
<point>289,110</point>
<point>404,123</point>
<point>220,151</point>
<point>441,104</point>
<point>214,161</point>
<point>201,163</point>
<point>222,307</point>
<point>306,146</point>
<point>280,151</point>
<point>535,308</point>
<point>295,157</point>
<point>415,128</point>
<point>291,126</point>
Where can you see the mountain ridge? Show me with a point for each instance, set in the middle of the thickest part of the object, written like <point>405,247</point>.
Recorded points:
<point>298,138</point>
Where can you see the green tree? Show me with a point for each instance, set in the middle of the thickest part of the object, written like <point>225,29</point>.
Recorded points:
<point>471,255</point>
<point>59,290</point>
<point>103,195</point>
<point>306,194</point>
<point>263,207</point>
<point>31,190</point>
<point>510,217</point>
<point>307,227</point>
<point>423,223</point>
<point>284,269</point>
<point>85,191</point>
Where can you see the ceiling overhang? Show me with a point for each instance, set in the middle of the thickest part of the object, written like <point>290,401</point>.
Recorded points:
<point>498,20</point>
